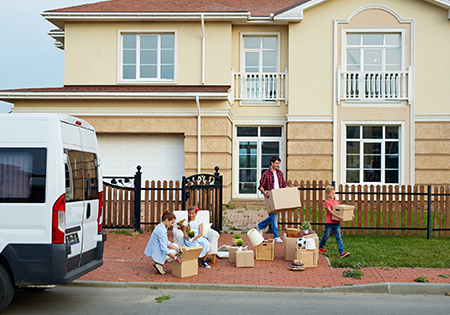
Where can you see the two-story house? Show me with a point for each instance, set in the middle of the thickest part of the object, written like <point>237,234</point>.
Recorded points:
<point>354,91</point>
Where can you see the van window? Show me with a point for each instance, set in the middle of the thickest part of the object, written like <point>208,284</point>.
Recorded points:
<point>23,174</point>
<point>81,176</point>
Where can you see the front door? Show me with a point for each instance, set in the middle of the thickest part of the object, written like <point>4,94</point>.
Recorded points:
<point>256,145</point>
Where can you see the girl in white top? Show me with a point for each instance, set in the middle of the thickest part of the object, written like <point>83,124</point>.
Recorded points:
<point>194,224</point>
<point>159,248</point>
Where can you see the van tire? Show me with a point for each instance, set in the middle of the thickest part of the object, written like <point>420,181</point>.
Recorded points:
<point>6,288</point>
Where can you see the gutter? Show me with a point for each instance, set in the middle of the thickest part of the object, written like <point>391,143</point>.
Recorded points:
<point>203,50</point>
<point>197,100</point>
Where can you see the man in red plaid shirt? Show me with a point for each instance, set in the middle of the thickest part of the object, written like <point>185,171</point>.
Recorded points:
<point>271,179</point>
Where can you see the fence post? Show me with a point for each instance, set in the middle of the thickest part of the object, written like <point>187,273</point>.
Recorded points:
<point>219,179</point>
<point>429,213</point>
<point>137,199</point>
<point>183,193</point>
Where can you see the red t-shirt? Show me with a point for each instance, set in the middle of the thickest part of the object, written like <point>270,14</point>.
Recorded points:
<point>329,204</point>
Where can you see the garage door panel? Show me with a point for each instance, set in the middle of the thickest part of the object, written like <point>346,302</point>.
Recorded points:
<point>160,156</point>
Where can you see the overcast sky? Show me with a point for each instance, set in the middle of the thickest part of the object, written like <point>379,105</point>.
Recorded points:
<point>28,57</point>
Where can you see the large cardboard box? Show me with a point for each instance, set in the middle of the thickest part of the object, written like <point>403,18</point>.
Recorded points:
<point>232,253</point>
<point>345,211</point>
<point>189,267</point>
<point>245,258</point>
<point>282,199</point>
<point>307,257</point>
<point>290,248</point>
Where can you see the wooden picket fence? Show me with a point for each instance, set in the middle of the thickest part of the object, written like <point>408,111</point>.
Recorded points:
<point>380,210</point>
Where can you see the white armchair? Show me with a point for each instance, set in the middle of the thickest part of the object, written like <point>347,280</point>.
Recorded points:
<point>210,234</point>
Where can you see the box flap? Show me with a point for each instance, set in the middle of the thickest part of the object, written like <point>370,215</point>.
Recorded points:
<point>189,253</point>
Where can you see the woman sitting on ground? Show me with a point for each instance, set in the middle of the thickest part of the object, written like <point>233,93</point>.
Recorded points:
<point>159,248</point>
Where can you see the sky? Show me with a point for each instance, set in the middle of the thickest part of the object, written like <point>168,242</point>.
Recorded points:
<point>28,57</point>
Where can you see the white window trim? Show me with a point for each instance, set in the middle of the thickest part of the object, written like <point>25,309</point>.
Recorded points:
<point>402,148</point>
<point>256,123</point>
<point>380,30</point>
<point>145,81</point>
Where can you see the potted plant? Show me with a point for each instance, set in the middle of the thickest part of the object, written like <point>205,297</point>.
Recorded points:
<point>239,244</point>
<point>306,228</point>
<point>191,235</point>
<point>236,238</point>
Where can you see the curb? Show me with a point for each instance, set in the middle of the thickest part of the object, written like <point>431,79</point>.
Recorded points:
<point>376,288</point>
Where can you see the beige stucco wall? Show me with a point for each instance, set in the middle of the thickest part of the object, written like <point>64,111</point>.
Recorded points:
<point>92,57</point>
<point>309,151</point>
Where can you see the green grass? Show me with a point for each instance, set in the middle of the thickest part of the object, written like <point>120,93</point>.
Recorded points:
<point>161,298</point>
<point>390,252</point>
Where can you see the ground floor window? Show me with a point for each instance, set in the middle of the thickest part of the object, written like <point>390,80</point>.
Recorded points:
<point>372,154</point>
<point>256,146</point>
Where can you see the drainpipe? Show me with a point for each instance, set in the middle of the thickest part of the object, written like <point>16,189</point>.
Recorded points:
<point>203,49</point>
<point>197,100</point>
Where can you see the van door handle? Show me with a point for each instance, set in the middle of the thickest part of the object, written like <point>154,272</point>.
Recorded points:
<point>88,211</point>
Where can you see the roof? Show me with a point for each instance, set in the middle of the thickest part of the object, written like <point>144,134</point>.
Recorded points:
<point>254,7</point>
<point>119,92</point>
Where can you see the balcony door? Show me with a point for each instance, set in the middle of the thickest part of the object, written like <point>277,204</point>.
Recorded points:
<point>256,145</point>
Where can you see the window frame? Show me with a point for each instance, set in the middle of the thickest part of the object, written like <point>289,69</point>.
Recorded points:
<point>378,30</point>
<point>137,80</point>
<point>258,34</point>
<point>402,160</point>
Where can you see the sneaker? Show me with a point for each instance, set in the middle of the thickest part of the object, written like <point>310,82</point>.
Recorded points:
<point>205,265</point>
<point>278,240</point>
<point>345,255</point>
<point>322,251</point>
<point>159,268</point>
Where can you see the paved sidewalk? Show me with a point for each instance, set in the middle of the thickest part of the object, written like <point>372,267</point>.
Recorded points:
<point>125,262</point>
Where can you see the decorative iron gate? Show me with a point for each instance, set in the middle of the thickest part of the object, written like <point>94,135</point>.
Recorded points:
<point>205,190</point>
<point>123,203</point>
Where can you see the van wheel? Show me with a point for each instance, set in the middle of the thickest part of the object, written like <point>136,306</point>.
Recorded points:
<point>6,288</point>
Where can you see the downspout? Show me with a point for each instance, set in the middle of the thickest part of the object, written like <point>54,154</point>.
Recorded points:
<point>197,100</point>
<point>203,49</point>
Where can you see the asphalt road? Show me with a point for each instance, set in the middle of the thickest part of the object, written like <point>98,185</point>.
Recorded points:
<point>69,300</point>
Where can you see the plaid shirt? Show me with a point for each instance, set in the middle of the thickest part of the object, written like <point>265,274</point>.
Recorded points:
<point>267,180</point>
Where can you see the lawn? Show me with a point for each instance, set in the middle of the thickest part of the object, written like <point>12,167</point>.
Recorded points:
<point>390,251</point>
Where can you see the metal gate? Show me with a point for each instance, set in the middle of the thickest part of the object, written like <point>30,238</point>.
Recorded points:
<point>123,203</point>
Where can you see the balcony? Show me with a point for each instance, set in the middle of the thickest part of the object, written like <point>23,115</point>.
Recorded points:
<point>263,87</point>
<point>374,85</point>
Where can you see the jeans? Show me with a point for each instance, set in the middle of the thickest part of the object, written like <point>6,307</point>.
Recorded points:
<point>336,229</point>
<point>273,220</point>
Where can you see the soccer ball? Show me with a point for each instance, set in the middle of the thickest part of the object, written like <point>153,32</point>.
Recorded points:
<point>300,243</point>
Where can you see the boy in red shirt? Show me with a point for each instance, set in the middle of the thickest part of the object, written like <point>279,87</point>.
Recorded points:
<point>331,225</point>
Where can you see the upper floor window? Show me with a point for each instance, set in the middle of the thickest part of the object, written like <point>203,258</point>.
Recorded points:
<point>372,154</point>
<point>148,57</point>
<point>260,54</point>
<point>374,52</point>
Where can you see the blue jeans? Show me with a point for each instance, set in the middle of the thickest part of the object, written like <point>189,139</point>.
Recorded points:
<point>271,219</point>
<point>336,229</point>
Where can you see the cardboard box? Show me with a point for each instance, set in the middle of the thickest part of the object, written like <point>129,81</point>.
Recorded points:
<point>306,256</point>
<point>266,250</point>
<point>282,199</point>
<point>189,267</point>
<point>290,248</point>
<point>244,258</point>
<point>232,253</point>
<point>345,211</point>
<point>316,240</point>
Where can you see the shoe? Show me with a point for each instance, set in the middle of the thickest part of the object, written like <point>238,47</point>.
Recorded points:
<point>278,240</point>
<point>159,268</point>
<point>322,251</point>
<point>259,230</point>
<point>205,265</point>
<point>344,255</point>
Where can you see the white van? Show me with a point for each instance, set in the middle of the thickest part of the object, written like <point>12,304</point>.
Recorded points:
<point>51,201</point>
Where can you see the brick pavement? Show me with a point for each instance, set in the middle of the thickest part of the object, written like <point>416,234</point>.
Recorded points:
<point>124,261</point>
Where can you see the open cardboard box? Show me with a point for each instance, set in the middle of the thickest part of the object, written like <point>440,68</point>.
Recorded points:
<point>232,253</point>
<point>344,210</point>
<point>189,267</point>
<point>283,199</point>
<point>245,258</point>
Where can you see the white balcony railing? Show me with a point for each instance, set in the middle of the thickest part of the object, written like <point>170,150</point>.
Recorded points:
<point>374,85</point>
<point>260,86</point>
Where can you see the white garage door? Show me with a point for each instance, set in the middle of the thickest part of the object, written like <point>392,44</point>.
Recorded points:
<point>160,156</point>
